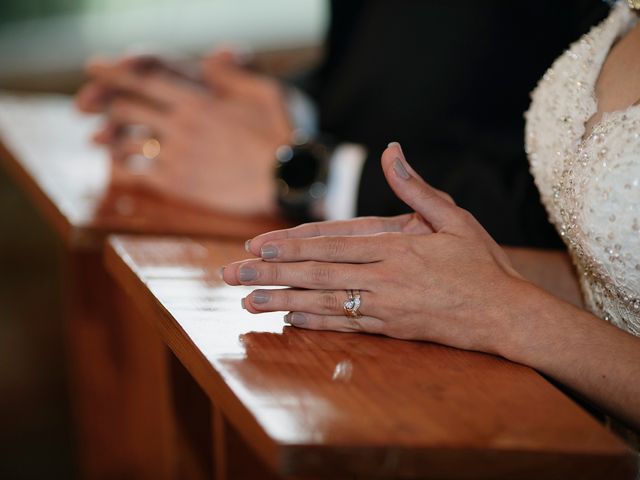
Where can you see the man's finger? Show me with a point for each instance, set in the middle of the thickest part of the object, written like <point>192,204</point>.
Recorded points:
<point>129,111</point>
<point>160,88</point>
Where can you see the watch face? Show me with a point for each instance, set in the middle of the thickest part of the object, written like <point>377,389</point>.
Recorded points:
<point>299,167</point>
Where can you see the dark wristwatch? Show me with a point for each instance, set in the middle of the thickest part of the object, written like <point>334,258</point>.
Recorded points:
<point>301,177</point>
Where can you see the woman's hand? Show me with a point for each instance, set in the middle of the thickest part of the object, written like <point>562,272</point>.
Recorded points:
<point>436,275</point>
<point>217,138</point>
<point>407,223</point>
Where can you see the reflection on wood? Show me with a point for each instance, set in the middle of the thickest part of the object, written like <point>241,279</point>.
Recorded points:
<point>45,144</point>
<point>117,363</point>
<point>330,404</point>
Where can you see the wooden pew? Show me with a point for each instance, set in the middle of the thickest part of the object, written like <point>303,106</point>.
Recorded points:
<point>116,362</point>
<point>290,403</point>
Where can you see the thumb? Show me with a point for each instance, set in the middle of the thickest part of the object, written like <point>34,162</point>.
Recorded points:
<point>435,206</point>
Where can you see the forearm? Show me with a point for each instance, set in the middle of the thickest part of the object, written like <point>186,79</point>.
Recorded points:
<point>587,354</point>
<point>550,270</point>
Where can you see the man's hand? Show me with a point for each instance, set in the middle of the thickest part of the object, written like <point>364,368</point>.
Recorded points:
<point>217,137</point>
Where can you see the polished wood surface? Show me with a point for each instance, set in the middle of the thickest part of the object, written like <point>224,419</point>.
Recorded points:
<point>45,144</point>
<point>118,377</point>
<point>327,404</point>
<point>120,395</point>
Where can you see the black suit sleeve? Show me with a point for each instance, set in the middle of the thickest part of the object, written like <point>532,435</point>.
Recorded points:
<point>450,81</point>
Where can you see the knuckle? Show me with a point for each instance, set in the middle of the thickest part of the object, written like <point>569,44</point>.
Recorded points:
<point>322,323</point>
<point>321,274</point>
<point>448,198</point>
<point>273,273</point>
<point>329,302</point>
<point>335,247</point>
<point>285,300</point>
<point>291,249</point>
<point>465,215</point>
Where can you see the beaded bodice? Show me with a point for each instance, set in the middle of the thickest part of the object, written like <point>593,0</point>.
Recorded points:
<point>591,186</point>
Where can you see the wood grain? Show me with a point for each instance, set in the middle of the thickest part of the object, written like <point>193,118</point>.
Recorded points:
<point>327,404</point>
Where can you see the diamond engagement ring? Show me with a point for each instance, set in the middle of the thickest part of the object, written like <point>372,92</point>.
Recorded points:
<point>351,306</point>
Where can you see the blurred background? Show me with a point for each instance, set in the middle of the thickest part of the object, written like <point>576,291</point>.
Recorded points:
<point>43,45</point>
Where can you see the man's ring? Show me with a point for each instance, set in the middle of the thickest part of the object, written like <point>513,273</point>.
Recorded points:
<point>151,148</point>
<point>351,306</point>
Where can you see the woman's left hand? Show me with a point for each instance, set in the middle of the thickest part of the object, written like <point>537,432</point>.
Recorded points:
<point>449,285</point>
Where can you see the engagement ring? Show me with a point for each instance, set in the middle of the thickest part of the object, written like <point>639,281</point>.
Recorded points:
<point>352,305</point>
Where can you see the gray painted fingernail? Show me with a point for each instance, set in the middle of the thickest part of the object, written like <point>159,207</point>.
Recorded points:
<point>260,297</point>
<point>269,251</point>
<point>247,274</point>
<point>243,302</point>
<point>221,272</point>
<point>297,319</point>
<point>400,170</point>
<point>247,246</point>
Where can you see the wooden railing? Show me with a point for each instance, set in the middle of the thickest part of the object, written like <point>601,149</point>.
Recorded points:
<point>171,379</point>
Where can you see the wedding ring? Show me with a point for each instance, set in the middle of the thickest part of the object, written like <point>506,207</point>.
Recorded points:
<point>151,148</point>
<point>351,306</point>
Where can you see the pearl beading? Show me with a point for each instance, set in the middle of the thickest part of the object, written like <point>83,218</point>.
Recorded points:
<point>591,186</point>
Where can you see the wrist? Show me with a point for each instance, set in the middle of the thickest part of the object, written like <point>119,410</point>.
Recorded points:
<point>538,326</point>
<point>301,180</point>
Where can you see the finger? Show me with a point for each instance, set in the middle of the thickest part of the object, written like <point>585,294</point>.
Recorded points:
<point>155,86</point>
<point>338,249</point>
<point>429,202</point>
<point>107,134</point>
<point>313,275</point>
<point>229,78</point>
<point>125,147</point>
<point>92,98</point>
<point>357,226</point>
<point>142,62</point>
<point>320,302</point>
<point>128,111</point>
<point>334,323</point>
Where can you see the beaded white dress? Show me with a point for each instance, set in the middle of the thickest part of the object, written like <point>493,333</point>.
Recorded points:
<point>591,186</point>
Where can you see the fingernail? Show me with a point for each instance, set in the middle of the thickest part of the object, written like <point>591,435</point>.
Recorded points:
<point>400,170</point>
<point>243,302</point>
<point>221,272</point>
<point>297,319</point>
<point>396,144</point>
<point>260,297</point>
<point>286,319</point>
<point>247,274</point>
<point>269,251</point>
<point>247,246</point>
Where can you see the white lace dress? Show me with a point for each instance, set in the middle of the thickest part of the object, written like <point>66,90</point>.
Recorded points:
<point>591,186</point>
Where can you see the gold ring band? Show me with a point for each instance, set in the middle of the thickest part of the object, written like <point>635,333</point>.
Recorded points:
<point>151,148</point>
